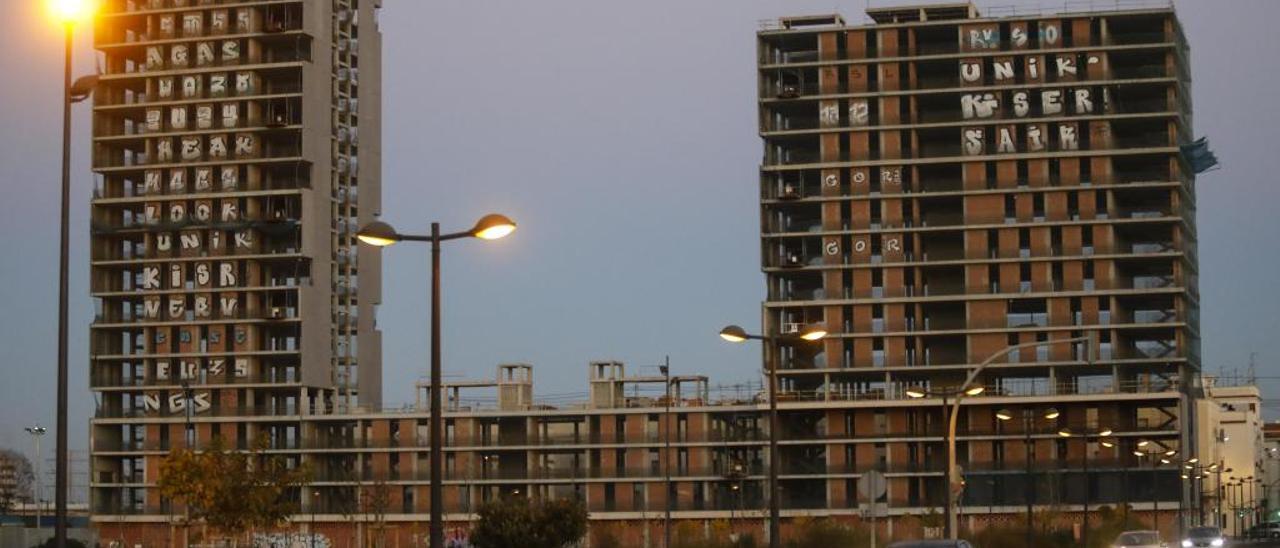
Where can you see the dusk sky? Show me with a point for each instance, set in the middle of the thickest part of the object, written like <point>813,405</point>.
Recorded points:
<point>622,137</point>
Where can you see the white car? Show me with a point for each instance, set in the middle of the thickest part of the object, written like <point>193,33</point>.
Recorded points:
<point>1139,539</point>
<point>1204,537</point>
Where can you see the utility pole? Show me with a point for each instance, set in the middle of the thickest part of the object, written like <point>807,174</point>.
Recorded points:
<point>37,432</point>
<point>666,462</point>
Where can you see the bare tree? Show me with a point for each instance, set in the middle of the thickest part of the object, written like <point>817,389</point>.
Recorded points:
<point>375,500</point>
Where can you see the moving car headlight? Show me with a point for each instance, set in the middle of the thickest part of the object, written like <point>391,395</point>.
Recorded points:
<point>1217,542</point>
<point>1186,543</point>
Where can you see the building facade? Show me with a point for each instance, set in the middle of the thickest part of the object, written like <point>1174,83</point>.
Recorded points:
<point>936,186</point>
<point>235,158</point>
<point>1232,437</point>
<point>10,492</point>
<point>939,186</point>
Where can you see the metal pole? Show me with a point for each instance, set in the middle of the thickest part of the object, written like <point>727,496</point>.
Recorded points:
<point>1029,488</point>
<point>1251,520</point>
<point>1217,499</point>
<point>60,482</point>
<point>775,505</point>
<point>1182,494</point>
<point>952,519</point>
<point>666,518</point>
<point>1084,531</point>
<point>191,442</point>
<point>1155,503</point>
<point>38,472</point>
<point>1234,506</point>
<point>437,419</point>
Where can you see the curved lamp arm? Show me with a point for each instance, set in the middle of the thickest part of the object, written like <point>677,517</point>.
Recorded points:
<point>973,375</point>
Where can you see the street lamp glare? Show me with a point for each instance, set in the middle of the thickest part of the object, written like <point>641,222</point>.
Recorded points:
<point>915,393</point>
<point>493,226</point>
<point>1065,432</point>
<point>1171,452</point>
<point>1105,432</point>
<point>1051,413</point>
<point>975,391</point>
<point>1004,415</point>
<point>1164,461</point>
<point>813,332</point>
<point>733,334</point>
<point>1143,443</point>
<point>69,12</point>
<point>1107,443</point>
<point>1193,460</point>
<point>378,234</point>
<point>1138,454</point>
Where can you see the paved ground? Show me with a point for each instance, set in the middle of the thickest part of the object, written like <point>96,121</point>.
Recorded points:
<point>1254,543</point>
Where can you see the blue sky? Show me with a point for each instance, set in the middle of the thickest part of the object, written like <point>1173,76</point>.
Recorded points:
<point>622,137</point>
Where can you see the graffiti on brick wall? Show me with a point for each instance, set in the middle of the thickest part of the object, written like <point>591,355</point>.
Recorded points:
<point>291,540</point>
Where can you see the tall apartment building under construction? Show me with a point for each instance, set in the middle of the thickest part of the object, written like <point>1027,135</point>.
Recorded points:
<point>236,147</point>
<point>939,186</point>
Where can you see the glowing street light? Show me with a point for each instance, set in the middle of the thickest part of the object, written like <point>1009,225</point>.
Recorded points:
<point>70,12</point>
<point>809,333</point>
<point>66,13</point>
<point>380,234</point>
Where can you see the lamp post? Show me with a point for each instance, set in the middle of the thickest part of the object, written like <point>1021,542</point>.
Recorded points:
<point>67,13</point>
<point>1196,473</point>
<point>315,501</point>
<point>1218,468</point>
<point>1231,494</point>
<point>37,432</point>
<point>735,334</point>
<point>380,234</point>
<point>666,461</point>
<point>947,395</point>
<point>1101,434</point>
<point>1158,456</point>
<point>735,477</point>
<point>1028,417</point>
<point>952,518</point>
<point>1253,502</point>
<point>1246,502</point>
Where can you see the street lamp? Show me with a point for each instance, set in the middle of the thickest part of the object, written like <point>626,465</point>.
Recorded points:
<point>1028,417</point>
<point>1100,434</point>
<point>37,432</point>
<point>380,234</point>
<point>947,395</point>
<point>67,13</point>
<point>952,483</point>
<point>666,460</point>
<point>736,334</point>
<point>1196,473</point>
<point>1158,456</point>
